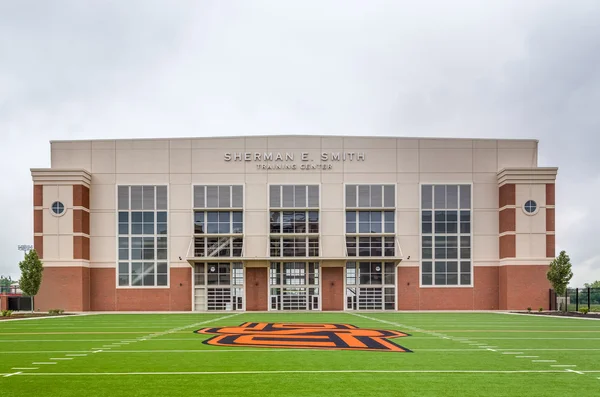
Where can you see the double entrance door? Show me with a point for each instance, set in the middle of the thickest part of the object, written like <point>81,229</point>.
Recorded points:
<point>294,286</point>
<point>219,286</point>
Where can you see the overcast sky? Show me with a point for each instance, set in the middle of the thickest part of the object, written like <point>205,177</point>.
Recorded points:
<point>134,69</point>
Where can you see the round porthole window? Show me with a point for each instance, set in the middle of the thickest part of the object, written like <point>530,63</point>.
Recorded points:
<point>530,207</point>
<point>57,208</point>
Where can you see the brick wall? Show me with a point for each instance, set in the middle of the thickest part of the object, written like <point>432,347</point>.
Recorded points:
<point>106,297</point>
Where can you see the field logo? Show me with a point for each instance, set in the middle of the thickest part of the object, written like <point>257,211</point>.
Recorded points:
<point>304,336</point>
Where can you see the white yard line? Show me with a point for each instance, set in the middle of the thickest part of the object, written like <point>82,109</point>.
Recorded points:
<point>16,373</point>
<point>543,361</point>
<point>300,372</point>
<point>24,369</point>
<point>43,363</point>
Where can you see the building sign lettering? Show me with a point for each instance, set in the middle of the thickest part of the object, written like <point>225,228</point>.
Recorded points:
<point>285,161</point>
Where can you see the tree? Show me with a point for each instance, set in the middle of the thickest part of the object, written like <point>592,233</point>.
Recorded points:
<point>560,273</point>
<point>5,284</point>
<point>595,284</point>
<point>31,274</point>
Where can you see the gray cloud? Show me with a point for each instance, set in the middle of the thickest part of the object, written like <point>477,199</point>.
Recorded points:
<point>147,69</point>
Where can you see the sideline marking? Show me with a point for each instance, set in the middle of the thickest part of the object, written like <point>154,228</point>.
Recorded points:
<point>43,363</point>
<point>543,361</point>
<point>512,352</point>
<point>577,372</point>
<point>24,369</point>
<point>556,365</point>
<point>492,350</point>
<point>16,373</point>
<point>528,356</point>
<point>63,358</point>
<point>299,372</point>
<point>76,355</point>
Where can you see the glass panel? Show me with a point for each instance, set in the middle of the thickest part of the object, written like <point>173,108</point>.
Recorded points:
<point>199,197</point>
<point>440,197</point>
<point>237,196</point>
<point>465,196</point>
<point>426,197</point>
<point>148,197</point>
<point>288,196</point>
<point>123,197</point>
<point>136,273</point>
<point>275,196</point>
<point>351,196</point>
<point>427,267</point>
<point>389,200</point>
<point>300,196</point>
<point>161,197</point>
<point>212,196</point>
<point>136,197</point>
<point>426,279</point>
<point>313,196</point>
<point>376,196</point>
<point>224,196</point>
<point>451,196</point>
<point>364,195</point>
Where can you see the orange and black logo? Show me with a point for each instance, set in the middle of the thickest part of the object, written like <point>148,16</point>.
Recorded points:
<point>304,336</point>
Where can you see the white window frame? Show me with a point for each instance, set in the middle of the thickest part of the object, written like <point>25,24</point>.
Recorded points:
<point>471,260</point>
<point>155,236</point>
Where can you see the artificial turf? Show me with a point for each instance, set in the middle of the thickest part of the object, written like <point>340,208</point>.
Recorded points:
<point>452,354</point>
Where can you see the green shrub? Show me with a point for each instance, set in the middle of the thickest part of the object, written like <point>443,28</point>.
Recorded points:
<point>6,313</point>
<point>584,310</point>
<point>541,309</point>
<point>529,309</point>
<point>53,312</point>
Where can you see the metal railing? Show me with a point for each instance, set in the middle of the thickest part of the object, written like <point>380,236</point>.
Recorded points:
<point>575,299</point>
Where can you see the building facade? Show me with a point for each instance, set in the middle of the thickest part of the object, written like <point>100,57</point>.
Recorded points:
<point>284,223</point>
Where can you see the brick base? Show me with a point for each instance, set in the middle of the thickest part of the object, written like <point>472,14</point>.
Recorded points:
<point>483,296</point>
<point>332,288</point>
<point>523,286</point>
<point>3,302</point>
<point>66,288</point>
<point>106,297</point>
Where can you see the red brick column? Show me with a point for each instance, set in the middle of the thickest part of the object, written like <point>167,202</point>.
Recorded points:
<point>3,302</point>
<point>507,239</point>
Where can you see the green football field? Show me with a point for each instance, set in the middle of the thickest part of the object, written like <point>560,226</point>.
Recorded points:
<point>450,354</point>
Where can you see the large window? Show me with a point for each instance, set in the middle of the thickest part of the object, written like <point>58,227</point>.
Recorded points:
<point>370,220</point>
<point>142,236</point>
<point>218,229</point>
<point>446,235</point>
<point>294,233</point>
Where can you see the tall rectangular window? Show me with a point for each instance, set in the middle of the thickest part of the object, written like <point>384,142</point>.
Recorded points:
<point>446,257</point>
<point>142,236</point>
<point>294,220</point>
<point>370,220</point>
<point>218,221</point>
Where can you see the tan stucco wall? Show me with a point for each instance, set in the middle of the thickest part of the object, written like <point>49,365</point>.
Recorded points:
<point>180,163</point>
